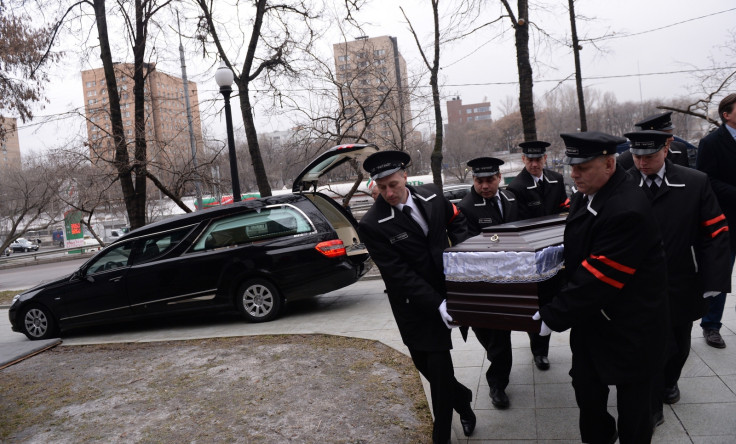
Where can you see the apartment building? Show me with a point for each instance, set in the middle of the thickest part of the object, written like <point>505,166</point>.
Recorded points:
<point>458,114</point>
<point>166,125</point>
<point>9,145</point>
<point>373,90</point>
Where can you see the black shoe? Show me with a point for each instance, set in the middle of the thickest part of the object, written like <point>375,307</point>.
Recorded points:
<point>614,438</point>
<point>499,398</point>
<point>671,395</point>
<point>467,419</point>
<point>713,338</point>
<point>657,420</point>
<point>541,362</point>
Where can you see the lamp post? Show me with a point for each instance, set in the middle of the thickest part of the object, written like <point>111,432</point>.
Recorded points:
<point>420,162</point>
<point>224,78</point>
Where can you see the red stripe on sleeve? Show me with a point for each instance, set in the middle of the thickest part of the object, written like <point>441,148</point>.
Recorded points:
<point>719,231</point>
<point>613,264</point>
<point>714,220</point>
<point>602,277</point>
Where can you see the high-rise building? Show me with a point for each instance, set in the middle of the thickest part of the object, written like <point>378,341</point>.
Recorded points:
<point>458,114</point>
<point>167,128</point>
<point>374,90</point>
<point>9,144</point>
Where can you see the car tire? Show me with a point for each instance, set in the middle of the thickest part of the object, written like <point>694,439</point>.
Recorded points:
<point>258,300</point>
<point>25,250</point>
<point>37,322</point>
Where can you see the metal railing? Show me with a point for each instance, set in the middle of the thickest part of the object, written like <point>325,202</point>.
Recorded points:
<point>46,256</point>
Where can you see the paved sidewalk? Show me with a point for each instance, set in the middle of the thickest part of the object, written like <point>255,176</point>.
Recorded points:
<point>543,408</point>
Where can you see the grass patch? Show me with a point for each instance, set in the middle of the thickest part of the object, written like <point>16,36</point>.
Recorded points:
<point>6,296</point>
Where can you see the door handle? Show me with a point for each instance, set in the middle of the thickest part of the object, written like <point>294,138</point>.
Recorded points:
<point>115,279</point>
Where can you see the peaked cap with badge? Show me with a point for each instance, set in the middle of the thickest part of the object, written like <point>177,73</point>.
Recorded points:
<point>647,142</point>
<point>385,163</point>
<point>534,149</point>
<point>659,122</point>
<point>485,166</point>
<point>585,146</point>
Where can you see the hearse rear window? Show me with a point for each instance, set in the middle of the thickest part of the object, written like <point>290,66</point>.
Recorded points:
<point>253,226</point>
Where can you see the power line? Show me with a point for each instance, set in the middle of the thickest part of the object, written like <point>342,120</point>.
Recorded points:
<point>666,26</point>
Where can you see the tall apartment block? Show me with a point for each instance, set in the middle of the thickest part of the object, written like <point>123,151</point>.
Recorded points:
<point>374,90</point>
<point>167,128</point>
<point>457,113</point>
<point>9,145</point>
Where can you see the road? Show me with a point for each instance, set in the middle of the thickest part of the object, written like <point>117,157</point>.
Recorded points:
<point>26,277</point>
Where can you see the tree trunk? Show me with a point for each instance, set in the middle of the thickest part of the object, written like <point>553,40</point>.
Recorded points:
<point>436,157</point>
<point>140,162</point>
<point>578,74</point>
<point>121,159</point>
<point>526,95</point>
<point>251,136</point>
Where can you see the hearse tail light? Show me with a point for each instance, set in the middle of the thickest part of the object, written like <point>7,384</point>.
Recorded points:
<point>332,248</point>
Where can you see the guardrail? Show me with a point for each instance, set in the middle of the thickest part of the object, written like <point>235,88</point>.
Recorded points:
<point>42,257</point>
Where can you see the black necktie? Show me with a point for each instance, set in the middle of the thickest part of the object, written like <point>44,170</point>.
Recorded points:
<point>497,204</point>
<point>406,209</point>
<point>540,184</point>
<point>653,187</point>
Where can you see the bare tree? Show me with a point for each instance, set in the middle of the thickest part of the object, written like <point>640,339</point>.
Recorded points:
<point>578,72</point>
<point>27,200</point>
<point>24,53</point>
<point>277,32</point>
<point>520,23</point>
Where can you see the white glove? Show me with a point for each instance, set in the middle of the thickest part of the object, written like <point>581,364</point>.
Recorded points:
<point>710,294</point>
<point>544,331</point>
<point>446,318</point>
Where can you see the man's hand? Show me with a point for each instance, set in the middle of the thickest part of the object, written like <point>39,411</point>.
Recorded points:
<point>544,331</point>
<point>710,294</point>
<point>446,318</point>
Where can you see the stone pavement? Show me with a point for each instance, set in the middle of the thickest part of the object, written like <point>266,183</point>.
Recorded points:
<point>543,408</point>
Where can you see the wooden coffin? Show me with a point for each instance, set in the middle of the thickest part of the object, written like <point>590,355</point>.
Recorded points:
<point>498,278</point>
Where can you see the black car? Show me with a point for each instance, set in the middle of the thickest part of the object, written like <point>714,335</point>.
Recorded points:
<point>252,256</point>
<point>23,245</point>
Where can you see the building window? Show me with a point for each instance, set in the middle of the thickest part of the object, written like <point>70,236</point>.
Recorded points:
<point>483,117</point>
<point>90,84</point>
<point>344,58</point>
<point>362,64</point>
<point>482,109</point>
<point>468,110</point>
<point>379,52</point>
<point>379,62</point>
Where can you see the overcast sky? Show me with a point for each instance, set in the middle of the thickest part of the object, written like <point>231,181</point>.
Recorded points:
<point>655,46</point>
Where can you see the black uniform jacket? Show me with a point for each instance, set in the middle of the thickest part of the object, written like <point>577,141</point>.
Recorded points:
<point>717,159</point>
<point>411,263</point>
<point>695,236</point>
<point>677,155</point>
<point>532,201</point>
<point>482,212</point>
<point>615,297</point>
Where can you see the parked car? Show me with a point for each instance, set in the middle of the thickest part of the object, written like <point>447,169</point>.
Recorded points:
<point>455,193</point>
<point>23,244</point>
<point>7,251</point>
<point>252,256</point>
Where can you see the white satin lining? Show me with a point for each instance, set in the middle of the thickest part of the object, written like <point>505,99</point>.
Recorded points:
<point>503,266</point>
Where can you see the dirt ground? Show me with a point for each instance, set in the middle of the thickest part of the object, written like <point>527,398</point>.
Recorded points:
<point>257,389</point>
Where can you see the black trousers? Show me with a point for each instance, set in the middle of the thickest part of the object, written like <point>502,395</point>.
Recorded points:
<point>539,344</point>
<point>447,393</point>
<point>498,349</point>
<point>633,403</point>
<point>678,349</point>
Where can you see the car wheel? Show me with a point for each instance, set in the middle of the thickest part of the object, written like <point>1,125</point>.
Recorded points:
<point>25,250</point>
<point>37,322</point>
<point>258,300</point>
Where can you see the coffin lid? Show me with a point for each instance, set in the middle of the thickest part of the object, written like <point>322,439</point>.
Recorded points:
<point>526,235</point>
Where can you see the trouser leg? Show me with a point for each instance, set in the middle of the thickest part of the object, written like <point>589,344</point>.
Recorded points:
<point>634,412</point>
<point>498,349</point>
<point>712,318</point>
<point>436,367</point>
<point>680,350</point>
<point>539,344</point>
<point>591,395</point>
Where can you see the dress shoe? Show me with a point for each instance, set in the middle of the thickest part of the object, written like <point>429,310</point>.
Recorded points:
<point>499,398</point>
<point>614,438</point>
<point>671,394</point>
<point>541,362</point>
<point>467,420</point>
<point>713,338</point>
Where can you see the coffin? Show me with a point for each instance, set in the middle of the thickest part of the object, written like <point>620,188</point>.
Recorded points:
<point>499,278</point>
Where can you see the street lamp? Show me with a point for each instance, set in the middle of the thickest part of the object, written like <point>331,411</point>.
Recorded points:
<point>420,162</point>
<point>224,78</point>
